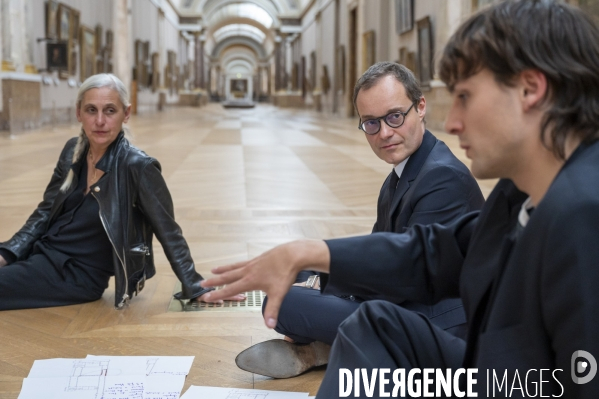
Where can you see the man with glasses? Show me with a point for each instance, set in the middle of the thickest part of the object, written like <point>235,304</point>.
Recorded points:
<point>427,184</point>
<point>523,76</point>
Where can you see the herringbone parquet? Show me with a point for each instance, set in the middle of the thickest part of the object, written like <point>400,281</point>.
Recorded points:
<point>242,182</point>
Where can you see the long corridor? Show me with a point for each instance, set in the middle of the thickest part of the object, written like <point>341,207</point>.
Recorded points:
<point>242,181</point>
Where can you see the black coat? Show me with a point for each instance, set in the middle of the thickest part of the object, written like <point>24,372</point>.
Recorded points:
<point>434,187</point>
<point>135,204</point>
<point>532,300</point>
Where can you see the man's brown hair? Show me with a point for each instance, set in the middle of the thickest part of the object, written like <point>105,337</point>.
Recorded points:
<point>550,36</point>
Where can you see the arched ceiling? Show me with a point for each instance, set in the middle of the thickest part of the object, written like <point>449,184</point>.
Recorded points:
<point>198,8</point>
<point>251,24</point>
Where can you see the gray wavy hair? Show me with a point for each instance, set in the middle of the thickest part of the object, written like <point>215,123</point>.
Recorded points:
<point>95,82</point>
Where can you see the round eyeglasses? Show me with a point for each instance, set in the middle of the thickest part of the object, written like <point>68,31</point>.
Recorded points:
<point>393,119</point>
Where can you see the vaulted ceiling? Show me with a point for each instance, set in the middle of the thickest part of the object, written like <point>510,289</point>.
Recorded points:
<point>246,25</point>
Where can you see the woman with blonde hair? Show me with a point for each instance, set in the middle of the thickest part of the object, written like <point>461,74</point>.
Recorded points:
<point>104,203</point>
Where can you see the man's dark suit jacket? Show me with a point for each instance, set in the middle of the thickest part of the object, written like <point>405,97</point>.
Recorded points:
<point>531,297</point>
<point>434,187</point>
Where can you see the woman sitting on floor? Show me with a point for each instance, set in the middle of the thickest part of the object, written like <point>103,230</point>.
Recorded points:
<point>105,201</point>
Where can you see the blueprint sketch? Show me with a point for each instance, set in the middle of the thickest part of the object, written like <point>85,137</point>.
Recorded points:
<point>107,377</point>
<point>197,392</point>
<point>155,365</point>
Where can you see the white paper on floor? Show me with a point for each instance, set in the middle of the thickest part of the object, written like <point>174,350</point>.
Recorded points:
<point>197,392</point>
<point>108,377</point>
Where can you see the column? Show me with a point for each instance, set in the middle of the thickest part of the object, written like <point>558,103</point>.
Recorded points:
<point>26,36</point>
<point>199,61</point>
<point>288,64</point>
<point>121,63</point>
<point>278,62</point>
<point>6,14</point>
<point>162,55</point>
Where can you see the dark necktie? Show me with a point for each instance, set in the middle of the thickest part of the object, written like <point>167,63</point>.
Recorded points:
<point>392,185</point>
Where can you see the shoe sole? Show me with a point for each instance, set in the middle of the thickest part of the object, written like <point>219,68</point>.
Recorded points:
<point>282,359</point>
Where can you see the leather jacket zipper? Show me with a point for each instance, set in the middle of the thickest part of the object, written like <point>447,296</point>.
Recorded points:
<point>125,296</point>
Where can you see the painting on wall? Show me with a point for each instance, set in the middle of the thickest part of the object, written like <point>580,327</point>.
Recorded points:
<point>88,56</point>
<point>312,81</point>
<point>99,50</point>
<point>139,58</point>
<point>74,29</point>
<point>109,39</point>
<point>155,71</point>
<point>57,55</point>
<point>368,46</point>
<point>294,76</point>
<point>72,69</point>
<point>238,87</point>
<point>52,19</point>
<point>171,71</point>
<point>404,16</point>
<point>408,59</point>
<point>64,22</point>
<point>425,51</point>
<point>340,72</point>
<point>325,82</point>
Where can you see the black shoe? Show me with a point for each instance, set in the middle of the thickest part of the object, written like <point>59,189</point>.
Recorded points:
<point>281,359</point>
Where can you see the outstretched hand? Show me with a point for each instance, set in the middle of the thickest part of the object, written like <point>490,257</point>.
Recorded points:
<point>202,298</point>
<point>272,272</point>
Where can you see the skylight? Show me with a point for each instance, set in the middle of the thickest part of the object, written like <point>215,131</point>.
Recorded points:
<point>242,10</point>
<point>239,30</point>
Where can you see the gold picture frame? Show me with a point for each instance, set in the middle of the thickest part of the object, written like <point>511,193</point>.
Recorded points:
<point>155,72</point>
<point>425,51</point>
<point>64,22</point>
<point>74,28</point>
<point>52,19</point>
<point>368,49</point>
<point>87,41</point>
<point>340,72</point>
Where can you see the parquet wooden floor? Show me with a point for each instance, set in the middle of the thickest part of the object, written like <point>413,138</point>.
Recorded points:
<point>242,182</point>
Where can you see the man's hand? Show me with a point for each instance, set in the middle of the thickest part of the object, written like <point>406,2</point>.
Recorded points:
<point>2,261</point>
<point>238,297</point>
<point>272,272</point>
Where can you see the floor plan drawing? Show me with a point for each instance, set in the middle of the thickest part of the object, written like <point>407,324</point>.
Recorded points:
<point>88,375</point>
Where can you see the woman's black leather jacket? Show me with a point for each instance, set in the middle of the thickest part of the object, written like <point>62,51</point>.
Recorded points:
<point>135,204</point>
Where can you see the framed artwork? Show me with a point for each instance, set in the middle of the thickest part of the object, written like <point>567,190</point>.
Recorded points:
<point>109,39</point>
<point>425,51</point>
<point>98,49</point>
<point>75,17</point>
<point>87,47</point>
<point>408,59</point>
<point>404,16</point>
<point>72,60</point>
<point>57,56</point>
<point>139,55</point>
<point>106,60</point>
<point>324,80</point>
<point>146,64</point>
<point>294,76</point>
<point>238,87</point>
<point>155,71</point>
<point>64,22</point>
<point>52,19</point>
<point>368,46</point>
<point>340,72</point>
<point>312,70</point>
<point>171,71</point>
